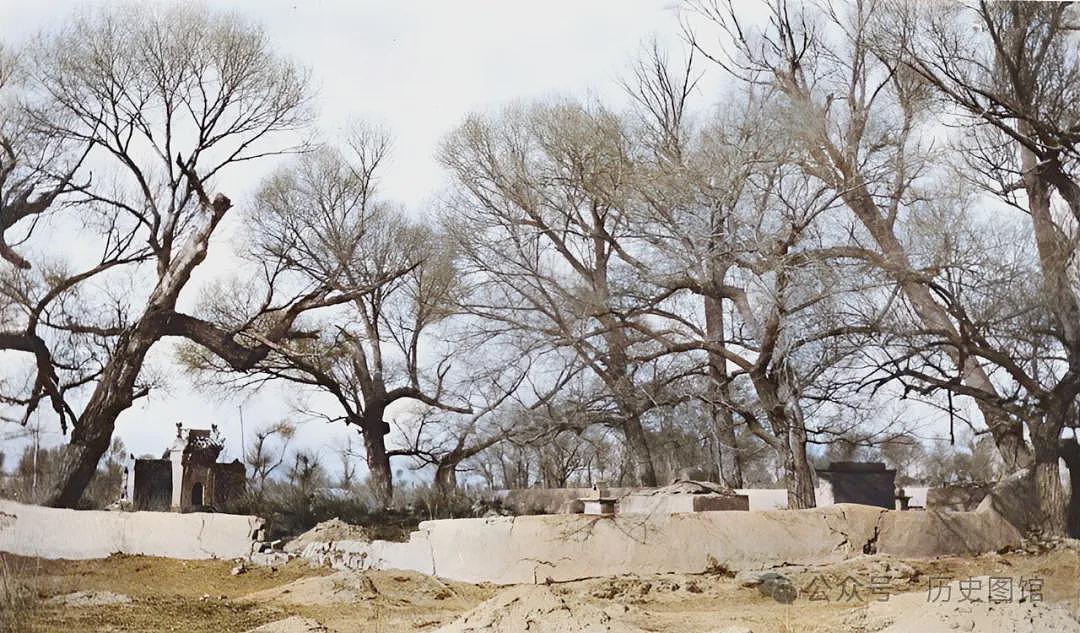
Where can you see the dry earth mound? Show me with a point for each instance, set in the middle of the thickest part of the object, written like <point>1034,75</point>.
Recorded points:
<point>390,587</point>
<point>536,609</point>
<point>328,532</point>
<point>951,609</point>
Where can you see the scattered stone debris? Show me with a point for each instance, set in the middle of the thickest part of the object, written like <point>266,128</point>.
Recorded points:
<point>631,590</point>
<point>294,624</point>
<point>85,599</point>
<point>270,559</point>
<point>628,590</point>
<point>751,578</point>
<point>240,568</point>
<point>269,554</point>
<point>778,587</point>
<point>914,613</point>
<point>1036,544</point>
<point>536,609</point>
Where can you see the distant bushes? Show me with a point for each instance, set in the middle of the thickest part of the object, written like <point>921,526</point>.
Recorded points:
<point>292,509</point>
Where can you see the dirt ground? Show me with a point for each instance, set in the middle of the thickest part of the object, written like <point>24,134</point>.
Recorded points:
<point>130,593</point>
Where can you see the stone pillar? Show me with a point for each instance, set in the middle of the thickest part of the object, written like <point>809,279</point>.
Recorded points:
<point>176,456</point>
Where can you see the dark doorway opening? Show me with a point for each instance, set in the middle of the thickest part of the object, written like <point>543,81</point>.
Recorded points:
<point>197,495</point>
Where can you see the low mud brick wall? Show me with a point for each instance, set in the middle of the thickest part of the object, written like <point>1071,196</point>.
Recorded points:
<point>537,549</point>
<point>28,530</point>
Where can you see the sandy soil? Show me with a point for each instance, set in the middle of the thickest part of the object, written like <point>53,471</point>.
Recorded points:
<point>859,595</point>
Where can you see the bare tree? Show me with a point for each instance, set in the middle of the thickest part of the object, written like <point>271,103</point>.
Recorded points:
<point>723,216</point>
<point>539,216</point>
<point>267,453</point>
<point>663,96</point>
<point>306,472</point>
<point>321,216</point>
<point>167,99</point>
<point>859,124</point>
<point>498,415</point>
<point>35,169</point>
<point>1013,71</point>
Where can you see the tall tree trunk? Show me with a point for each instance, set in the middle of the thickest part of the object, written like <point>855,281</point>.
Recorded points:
<point>91,437</point>
<point>797,469</point>
<point>729,460</point>
<point>1069,450</point>
<point>1008,434</point>
<point>1055,250</point>
<point>638,454</point>
<point>115,388</point>
<point>380,475</point>
<point>446,477</point>
<point>1049,492</point>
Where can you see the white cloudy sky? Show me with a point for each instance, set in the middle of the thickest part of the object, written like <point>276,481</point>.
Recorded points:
<point>416,67</point>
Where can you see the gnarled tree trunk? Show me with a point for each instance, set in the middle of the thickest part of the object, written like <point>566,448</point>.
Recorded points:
<point>380,474</point>
<point>91,437</point>
<point>1069,450</point>
<point>1047,479</point>
<point>446,477</point>
<point>638,454</point>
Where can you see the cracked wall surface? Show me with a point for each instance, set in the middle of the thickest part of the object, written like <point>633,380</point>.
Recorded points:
<point>80,534</point>
<point>537,549</point>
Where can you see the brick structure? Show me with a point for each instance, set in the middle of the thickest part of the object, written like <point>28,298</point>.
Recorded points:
<point>188,477</point>
<point>868,483</point>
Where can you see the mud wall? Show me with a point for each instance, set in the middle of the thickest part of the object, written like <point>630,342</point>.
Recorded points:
<point>533,549</point>
<point>77,534</point>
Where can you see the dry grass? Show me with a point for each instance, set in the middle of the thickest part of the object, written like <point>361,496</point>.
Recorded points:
<point>19,599</point>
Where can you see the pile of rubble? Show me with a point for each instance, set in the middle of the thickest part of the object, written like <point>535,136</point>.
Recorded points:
<point>684,496</point>
<point>328,532</point>
<point>323,544</point>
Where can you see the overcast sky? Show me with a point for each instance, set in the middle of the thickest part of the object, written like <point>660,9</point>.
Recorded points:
<point>417,68</point>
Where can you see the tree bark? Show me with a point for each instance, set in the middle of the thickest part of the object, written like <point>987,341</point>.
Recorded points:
<point>1049,492</point>
<point>638,454</point>
<point>446,477</point>
<point>729,460</point>
<point>1069,450</point>
<point>92,435</point>
<point>380,474</point>
<point>799,473</point>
